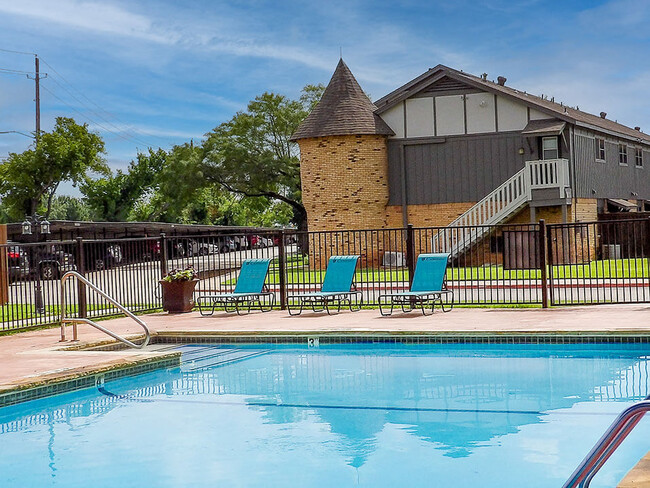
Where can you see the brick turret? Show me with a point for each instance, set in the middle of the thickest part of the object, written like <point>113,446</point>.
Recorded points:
<point>343,158</point>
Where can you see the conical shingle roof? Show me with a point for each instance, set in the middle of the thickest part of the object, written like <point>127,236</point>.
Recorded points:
<point>344,109</point>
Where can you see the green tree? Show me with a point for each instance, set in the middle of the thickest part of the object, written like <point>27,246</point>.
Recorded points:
<point>178,183</point>
<point>30,179</point>
<point>65,207</point>
<point>114,197</point>
<point>251,155</point>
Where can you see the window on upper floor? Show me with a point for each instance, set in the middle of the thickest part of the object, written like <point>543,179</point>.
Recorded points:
<point>600,149</point>
<point>622,154</point>
<point>550,148</point>
<point>638,157</point>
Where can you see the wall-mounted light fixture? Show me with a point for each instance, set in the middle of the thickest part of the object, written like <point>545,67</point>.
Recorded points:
<point>522,151</point>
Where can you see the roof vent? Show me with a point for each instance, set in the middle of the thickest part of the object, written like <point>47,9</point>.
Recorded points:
<point>603,115</point>
<point>484,76</point>
<point>501,80</point>
<point>637,128</point>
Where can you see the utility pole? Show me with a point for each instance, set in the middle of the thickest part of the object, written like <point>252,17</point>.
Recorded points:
<point>37,98</point>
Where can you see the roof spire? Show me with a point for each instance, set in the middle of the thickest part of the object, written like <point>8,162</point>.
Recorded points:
<point>344,109</point>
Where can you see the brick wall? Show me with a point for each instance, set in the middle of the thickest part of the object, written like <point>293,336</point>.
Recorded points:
<point>344,182</point>
<point>345,187</point>
<point>432,215</point>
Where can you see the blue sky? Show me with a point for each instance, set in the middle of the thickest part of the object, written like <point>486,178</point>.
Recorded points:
<point>160,73</point>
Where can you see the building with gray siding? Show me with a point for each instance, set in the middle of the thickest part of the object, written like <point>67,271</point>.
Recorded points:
<point>458,136</point>
<point>453,149</point>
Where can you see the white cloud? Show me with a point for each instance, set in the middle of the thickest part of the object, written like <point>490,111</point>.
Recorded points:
<point>99,17</point>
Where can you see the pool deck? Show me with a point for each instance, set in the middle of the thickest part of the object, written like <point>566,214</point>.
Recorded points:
<point>37,357</point>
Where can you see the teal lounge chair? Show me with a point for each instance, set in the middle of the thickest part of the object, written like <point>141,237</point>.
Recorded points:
<point>429,284</point>
<point>338,287</point>
<point>250,290</point>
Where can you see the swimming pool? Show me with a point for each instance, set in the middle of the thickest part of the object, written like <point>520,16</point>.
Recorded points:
<point>380,415</point>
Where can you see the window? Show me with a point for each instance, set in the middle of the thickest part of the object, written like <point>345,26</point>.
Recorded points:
<point>622,154</point>
<point>549,148</point>
<point>638,157</point>
<point>600,149</point>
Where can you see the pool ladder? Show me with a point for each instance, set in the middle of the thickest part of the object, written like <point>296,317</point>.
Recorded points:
<point>76,320</point>
<point>607,444</point>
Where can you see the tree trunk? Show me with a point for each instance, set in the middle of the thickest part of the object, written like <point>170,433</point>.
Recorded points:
<point>300,216</point>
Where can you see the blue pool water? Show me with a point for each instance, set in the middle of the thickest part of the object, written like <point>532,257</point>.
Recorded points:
<point>336,416</point>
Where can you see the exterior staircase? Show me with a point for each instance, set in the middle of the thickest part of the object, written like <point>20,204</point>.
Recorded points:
<point>503,203</point>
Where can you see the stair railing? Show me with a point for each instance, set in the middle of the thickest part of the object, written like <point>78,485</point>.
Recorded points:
<point>607,444</point>
<point>76,320</point>
<point>501,203</point>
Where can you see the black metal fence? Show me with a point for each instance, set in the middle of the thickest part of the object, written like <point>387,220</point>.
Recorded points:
<point>505,265</point>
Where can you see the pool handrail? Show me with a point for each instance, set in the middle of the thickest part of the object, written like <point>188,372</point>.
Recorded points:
<point>607,444</point>
<point>75,320</point>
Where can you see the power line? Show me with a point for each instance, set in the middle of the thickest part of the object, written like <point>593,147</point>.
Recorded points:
<point>96,105</point>
<point>17,52</point>
<point>16,71</point>
<point>119,129</point>
<point>130,134</point>
<point>15,132</point>
<point>86,116</point>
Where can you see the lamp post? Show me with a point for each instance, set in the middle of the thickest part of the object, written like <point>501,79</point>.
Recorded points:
<point>36,229</point>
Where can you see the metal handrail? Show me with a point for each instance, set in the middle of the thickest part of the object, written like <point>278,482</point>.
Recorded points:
<point>75,320</point>
<point>607,444</point>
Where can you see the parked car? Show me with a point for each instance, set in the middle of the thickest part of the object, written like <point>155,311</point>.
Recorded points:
<point>288,239</point>
<point>152,250</point>
<point>226,244</point>
<point>260,242</point>
<point>54,262</point>
<point>241,242</point>
<point>201,248</point>
<point>102,255</point>
<point>18,263</point>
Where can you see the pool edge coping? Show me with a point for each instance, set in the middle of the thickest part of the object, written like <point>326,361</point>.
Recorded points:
<point>85,377</point>
<point>44,386</point>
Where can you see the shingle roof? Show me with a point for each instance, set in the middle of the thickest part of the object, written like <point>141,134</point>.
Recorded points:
<point>557,110</point>
<point>343,109</point>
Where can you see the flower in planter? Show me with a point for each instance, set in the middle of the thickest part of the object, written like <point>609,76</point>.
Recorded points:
<point>187,274</point>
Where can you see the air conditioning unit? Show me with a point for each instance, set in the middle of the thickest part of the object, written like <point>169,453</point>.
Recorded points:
<point>396,259</point>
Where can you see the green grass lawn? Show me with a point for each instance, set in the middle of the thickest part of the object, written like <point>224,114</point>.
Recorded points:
<point>298,272</point>
<point>18,312</point>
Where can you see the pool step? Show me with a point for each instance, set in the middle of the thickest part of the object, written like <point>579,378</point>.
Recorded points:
<point>197,358</point>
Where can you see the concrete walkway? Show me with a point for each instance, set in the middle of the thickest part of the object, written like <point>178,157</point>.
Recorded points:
<point>33,358</point>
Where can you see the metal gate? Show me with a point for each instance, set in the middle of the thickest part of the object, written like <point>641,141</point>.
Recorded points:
<point>598,262</point>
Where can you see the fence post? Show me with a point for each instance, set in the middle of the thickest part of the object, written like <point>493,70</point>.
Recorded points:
<point>541,259</point>
<point>645,251</point>
<point>549,263</point>
<point>410,252</point>
<point>282,271</point>
<point>163,254</point>
<point>82,302</point>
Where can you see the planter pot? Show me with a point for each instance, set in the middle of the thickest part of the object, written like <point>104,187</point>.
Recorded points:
<point>177,295</point>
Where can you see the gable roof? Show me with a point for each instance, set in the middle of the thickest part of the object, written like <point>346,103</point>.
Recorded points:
<point>562,112</point>
<point>343,109</point>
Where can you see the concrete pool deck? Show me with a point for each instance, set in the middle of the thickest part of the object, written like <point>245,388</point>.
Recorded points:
<point>37,357</point>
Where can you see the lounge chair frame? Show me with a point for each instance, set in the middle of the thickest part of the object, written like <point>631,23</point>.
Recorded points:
<point>352,298</point>
<point>232,302</point>
<point>245,296</point>
<point>412,300</point>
